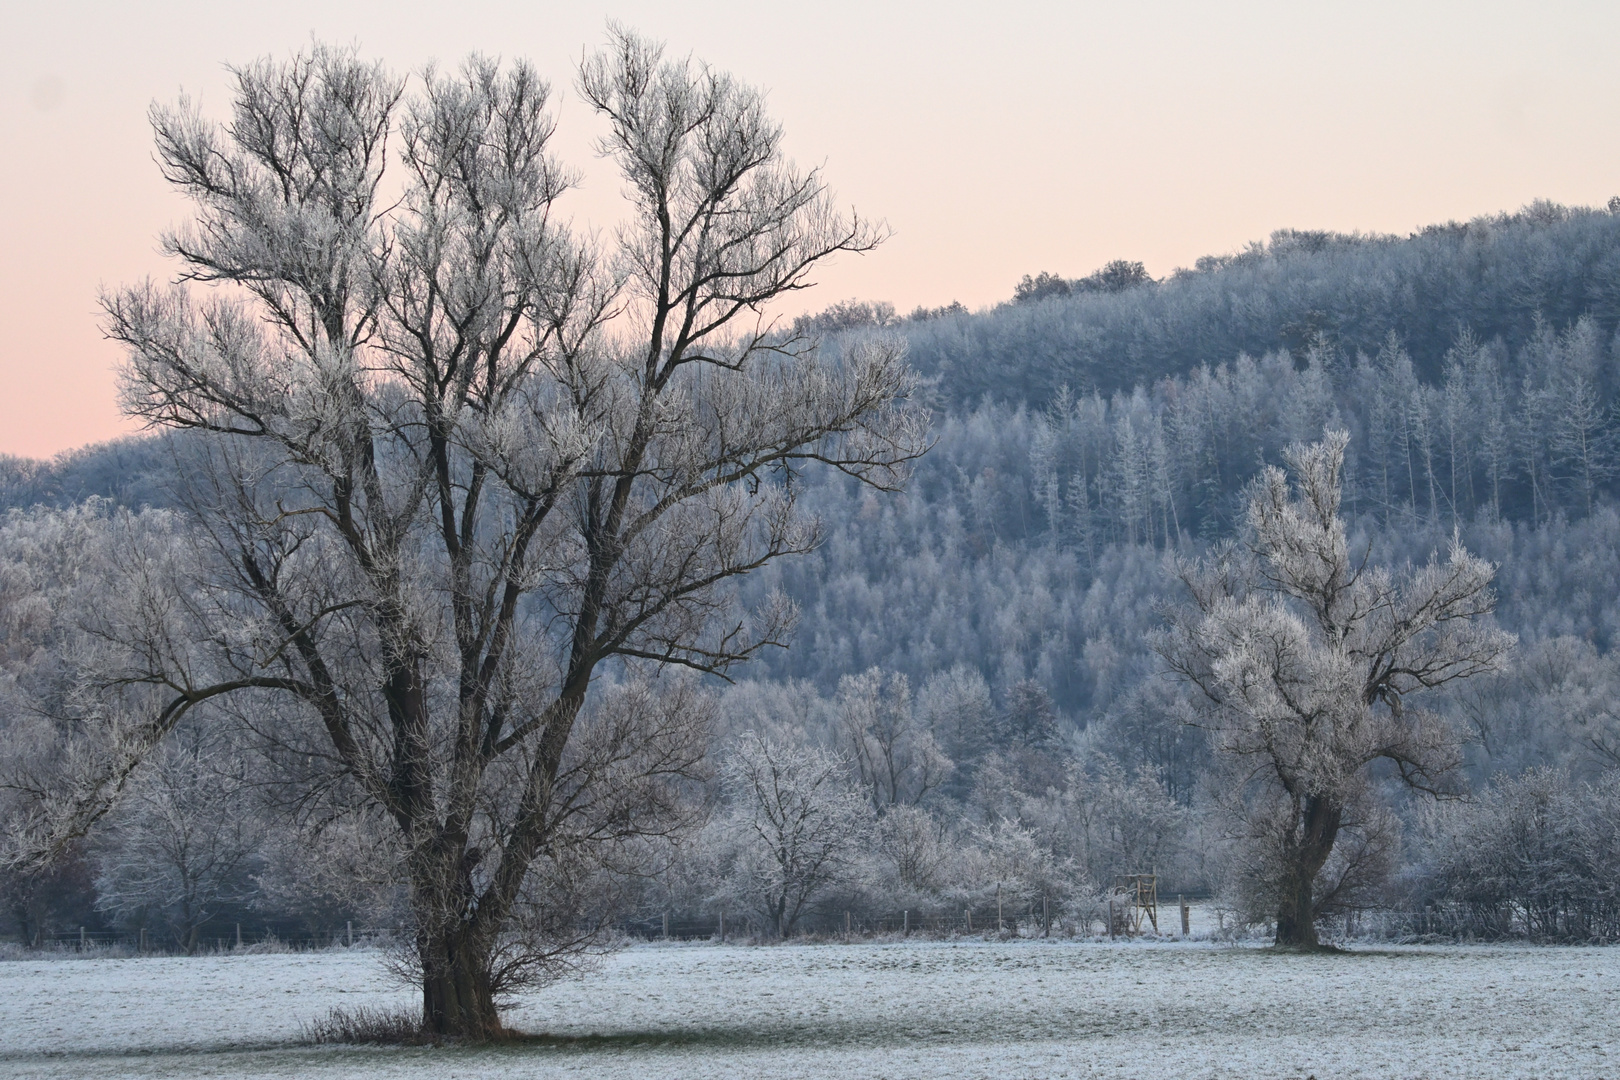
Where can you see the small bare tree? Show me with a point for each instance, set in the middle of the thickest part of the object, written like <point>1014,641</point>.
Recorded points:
<point>897,758</point>
<point>182,841</point>
<point>1306,659</point>
<point>913,844</point>
<point>452,460</point>
<point>796,824</point>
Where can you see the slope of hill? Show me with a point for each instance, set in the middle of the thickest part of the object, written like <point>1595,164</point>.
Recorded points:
<point>1493,276</point>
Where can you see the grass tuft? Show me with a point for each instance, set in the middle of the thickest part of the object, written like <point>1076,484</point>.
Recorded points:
<point>368,1026</point>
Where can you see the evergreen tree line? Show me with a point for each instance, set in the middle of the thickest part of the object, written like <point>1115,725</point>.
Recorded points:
<point>1112,330</point>
<point>1052,525</point>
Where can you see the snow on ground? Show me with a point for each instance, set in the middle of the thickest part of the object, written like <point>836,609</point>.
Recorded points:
<point>898,1010</point>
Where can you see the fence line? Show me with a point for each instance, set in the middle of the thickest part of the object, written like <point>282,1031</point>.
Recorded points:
<point>1442,922</point>
<point>1498,922</point>
<point>237,937</point>
<point>899,922</point>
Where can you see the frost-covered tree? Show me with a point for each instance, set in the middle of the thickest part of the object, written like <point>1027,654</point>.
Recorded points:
<point>1306,659</point>
<point>435,490</point>
<point>796,827</point>
<point>183,841</point>
<point>896,757</point>
<point>1536,855</point>
<point>913,846</point>
<point>956,707</point>
<point>73,727</point>
<point>1003,870</point>
<point>1029,721</point>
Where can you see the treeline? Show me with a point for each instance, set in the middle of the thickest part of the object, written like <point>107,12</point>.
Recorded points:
<point>134,471</point>
<point>1111,330</point>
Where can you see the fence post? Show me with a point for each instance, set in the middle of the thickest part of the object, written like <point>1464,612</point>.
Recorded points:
<point>142,946</point>
<point>81,939</point>
<point>1046,917</point>
<point>238,935</point>
<point>666,926</point>
<point>1186,916</point>
<point>967,913</point>
<point>847,928</point>
<point>905,925</point>
<point>722,928</point>
<point>1000,926</point>
<point>348,931</point>
<point>1110,918</point>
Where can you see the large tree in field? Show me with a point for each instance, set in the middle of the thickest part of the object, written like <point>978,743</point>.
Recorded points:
<point>1306,659</point>
<point>452,459</point>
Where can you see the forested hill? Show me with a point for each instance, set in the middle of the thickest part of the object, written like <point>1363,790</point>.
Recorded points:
<point>1081,437</point>
<point>134,472</point>
<point>1475,368</point>
<point>1494,276</point>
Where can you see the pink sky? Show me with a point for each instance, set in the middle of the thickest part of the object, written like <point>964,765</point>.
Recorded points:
<point>997,140</point>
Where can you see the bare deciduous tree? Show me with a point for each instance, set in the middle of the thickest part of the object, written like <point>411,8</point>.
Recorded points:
<point>182,840</point>
<point>796,824</point>
<point>1306,659</point>
<point>956,708</point>
<point>898,761</point>
<point>454,460</point>
<point>912,842</point>
<point>72,583</point>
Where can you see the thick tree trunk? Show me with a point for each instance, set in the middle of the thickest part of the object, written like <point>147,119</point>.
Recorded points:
<point>1296,906</point>
<point>1296,915</point>
<point>457,995</point>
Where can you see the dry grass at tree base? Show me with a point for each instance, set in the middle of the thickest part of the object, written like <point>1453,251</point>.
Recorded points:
<point>365,1026</point>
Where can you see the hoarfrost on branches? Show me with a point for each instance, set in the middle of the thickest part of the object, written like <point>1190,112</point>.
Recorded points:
<point>1306,659</point>
<point>447,460</point>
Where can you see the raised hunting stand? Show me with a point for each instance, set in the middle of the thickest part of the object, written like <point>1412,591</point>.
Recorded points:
<point>1134,905</point>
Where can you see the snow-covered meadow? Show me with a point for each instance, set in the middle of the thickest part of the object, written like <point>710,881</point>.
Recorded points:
<point>912,1009</point>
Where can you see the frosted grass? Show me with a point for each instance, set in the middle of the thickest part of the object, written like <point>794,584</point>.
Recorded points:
<point>915,1009</point>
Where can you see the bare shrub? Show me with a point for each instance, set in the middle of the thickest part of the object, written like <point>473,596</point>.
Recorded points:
<point>368,1026</point>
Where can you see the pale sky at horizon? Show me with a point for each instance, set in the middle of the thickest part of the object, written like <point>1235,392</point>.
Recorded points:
<point>996,141</point>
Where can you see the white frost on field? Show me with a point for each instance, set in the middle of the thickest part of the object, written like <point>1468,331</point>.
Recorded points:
<point>200,1003</point>
<point>915,1009</point>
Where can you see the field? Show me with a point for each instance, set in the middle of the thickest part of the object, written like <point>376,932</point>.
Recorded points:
<point>911,1009</point>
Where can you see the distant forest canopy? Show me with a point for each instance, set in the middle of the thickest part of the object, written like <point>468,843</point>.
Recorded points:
<point>1473,363</point>
<point>1494,277</point>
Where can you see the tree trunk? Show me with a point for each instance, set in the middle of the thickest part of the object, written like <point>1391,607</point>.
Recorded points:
<point>1296,915</point>
<point>1296,906</point>
<point>457,994</point>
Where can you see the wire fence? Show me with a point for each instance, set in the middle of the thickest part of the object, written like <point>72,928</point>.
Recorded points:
<point>1570,924</point>
<point>1432,924</point>
<point>209,940</point>
<point>934,923</point>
